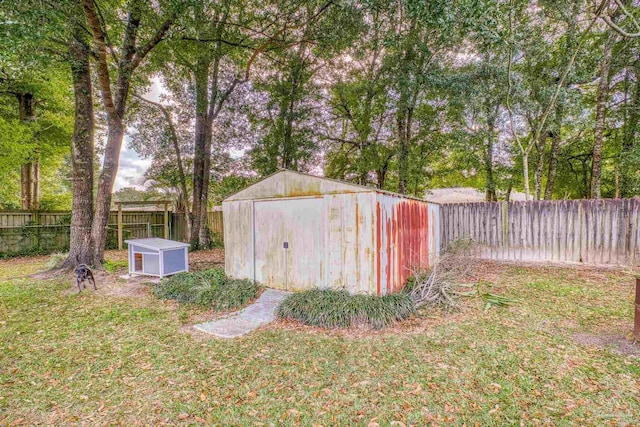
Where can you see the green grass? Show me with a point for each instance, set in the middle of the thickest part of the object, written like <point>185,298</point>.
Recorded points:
<point>94,359</point>
<point>115,266</point>
<point>339,309</point>
<point>209,288</point>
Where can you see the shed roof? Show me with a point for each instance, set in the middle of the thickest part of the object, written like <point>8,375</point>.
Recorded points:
<point>157,243</point>
<point>288,183</point>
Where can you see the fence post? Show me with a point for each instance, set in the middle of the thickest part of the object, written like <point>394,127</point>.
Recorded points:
<point>119,226</point>
<point>505,227</point>
<point>579,229</point>
<point>35,219</point>
<point>166,221</point>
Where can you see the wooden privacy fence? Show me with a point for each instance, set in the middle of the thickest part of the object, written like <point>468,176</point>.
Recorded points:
<point>26,232</point>
<point>587,231</point>
<point>33,232</point>
<point>179,226</point>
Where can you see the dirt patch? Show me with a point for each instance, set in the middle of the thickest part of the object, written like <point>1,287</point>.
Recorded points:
<point>202,260</point>
<point>616,342</point>
<point>112,285</point>
<point>127,288</point>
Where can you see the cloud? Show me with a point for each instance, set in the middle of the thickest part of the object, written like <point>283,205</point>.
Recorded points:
<point>131,170</point>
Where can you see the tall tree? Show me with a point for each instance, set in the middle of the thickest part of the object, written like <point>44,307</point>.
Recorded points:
<point>602,95</point>
<point>82,149</point>
<point>360,135</point>
<point>290,119</point>
<point>119,66</point>
<point>161,134</point>
<point>34,85</point>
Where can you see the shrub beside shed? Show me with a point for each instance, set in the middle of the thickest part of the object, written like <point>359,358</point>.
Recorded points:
<point>157,257</point>
<point>294,231</point>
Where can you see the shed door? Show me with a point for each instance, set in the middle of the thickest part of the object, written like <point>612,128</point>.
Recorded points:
<point>298,224</point>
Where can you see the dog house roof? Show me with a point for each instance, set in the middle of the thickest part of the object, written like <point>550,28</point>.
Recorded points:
<point>157,243</point>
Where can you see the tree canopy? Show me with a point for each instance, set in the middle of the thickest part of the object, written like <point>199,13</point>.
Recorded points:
<point>405,95</point>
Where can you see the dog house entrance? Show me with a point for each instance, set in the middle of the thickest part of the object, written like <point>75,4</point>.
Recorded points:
<point>137,263</point>
<point>157,257</point>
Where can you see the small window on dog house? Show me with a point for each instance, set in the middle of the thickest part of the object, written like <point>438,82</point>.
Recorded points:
<point>157,257</point>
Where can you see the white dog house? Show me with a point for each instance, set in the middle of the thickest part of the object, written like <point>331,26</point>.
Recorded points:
<point>157,257</point>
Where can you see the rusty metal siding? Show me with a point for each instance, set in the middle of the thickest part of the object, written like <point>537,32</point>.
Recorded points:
<point>407,239</point>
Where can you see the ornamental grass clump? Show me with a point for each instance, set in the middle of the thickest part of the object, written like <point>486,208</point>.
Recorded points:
<point>340,309</point>
<point>209,288</point>
<point>234,293</point>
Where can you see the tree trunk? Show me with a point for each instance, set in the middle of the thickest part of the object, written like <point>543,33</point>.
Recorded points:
<point>30,171</point>
<point>629,138</point>
<point>381,174</point>
<point>490,186</point>
<point>617,180</point>
<point>80,244</point>
<point>403,151</point>
<point>204,235</point>
<point>105,189</point>
<point>406,102</point>
<point>25,185</point>
<point>201,87</point>
<point>404,118</point>
<point>537,176</point>
<point>556,138</point>
<point>600,123</point>
<point>525,175</point>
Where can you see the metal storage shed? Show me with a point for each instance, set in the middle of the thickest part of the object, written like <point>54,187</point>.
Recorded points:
<point>157,257</point>
<point>294,231</point>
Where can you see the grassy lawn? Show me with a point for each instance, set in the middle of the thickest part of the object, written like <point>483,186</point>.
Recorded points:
<point>102,359</point>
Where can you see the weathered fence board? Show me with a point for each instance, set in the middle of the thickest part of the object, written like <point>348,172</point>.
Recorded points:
<point>588,231</point>
<point>179,226</point>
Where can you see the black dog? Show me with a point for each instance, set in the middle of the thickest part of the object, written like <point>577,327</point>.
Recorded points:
<point>83,273</point>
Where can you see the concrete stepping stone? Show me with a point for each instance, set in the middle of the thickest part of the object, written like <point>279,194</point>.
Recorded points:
<point>261,312</point>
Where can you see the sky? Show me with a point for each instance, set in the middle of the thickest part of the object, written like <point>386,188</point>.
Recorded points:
<point>131,169</point>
